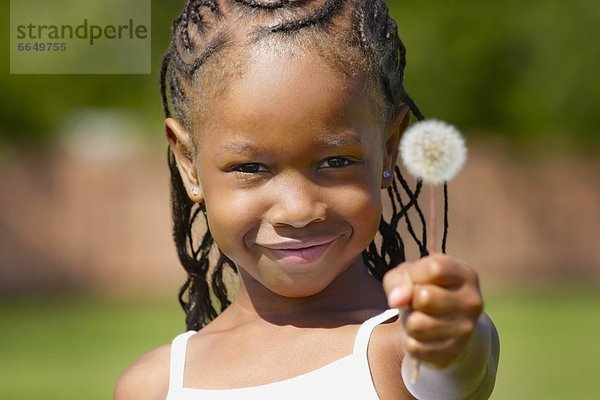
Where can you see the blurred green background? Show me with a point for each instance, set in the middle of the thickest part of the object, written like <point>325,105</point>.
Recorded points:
<point>523,69</point>
<point>88,274</point>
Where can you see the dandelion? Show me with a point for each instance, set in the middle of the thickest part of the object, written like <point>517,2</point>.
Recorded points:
<point>433,151</point>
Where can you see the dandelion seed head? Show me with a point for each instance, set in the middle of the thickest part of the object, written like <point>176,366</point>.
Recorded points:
<point>433,151</point>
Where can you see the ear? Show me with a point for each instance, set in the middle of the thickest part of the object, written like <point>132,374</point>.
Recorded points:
<point>398,125</point>
<point>182,147</point>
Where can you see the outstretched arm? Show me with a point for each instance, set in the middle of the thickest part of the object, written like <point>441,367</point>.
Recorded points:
<point>444,328</point>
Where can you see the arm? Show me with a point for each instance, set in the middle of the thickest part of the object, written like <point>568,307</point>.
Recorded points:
<point>444,328</point>
<point>471,377</point>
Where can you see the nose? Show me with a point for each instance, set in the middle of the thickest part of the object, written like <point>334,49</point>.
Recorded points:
<point>296,203</point>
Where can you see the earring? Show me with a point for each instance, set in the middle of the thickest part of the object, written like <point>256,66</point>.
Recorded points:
<point>387,174</point>
<point>195,191</point>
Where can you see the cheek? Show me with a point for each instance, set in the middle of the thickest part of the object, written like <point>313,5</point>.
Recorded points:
<point>361,206</point>
<point>231,216</point>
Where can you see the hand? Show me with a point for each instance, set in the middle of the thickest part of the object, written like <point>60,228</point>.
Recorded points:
<point>443,303</point>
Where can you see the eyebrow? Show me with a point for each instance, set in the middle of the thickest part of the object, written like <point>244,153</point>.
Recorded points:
<point>345,139</point>
<point>237,148</point>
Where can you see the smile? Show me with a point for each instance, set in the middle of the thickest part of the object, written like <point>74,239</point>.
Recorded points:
<point>298,253</point>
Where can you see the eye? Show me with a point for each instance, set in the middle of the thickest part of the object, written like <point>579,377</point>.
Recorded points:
<point>249,168</point>
<point>335,162</point>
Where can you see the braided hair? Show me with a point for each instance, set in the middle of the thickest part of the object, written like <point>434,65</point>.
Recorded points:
<point>361,30</point>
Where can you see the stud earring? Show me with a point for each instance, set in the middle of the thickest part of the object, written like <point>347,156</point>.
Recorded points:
<point>387,174</point>
<point>195,191</point>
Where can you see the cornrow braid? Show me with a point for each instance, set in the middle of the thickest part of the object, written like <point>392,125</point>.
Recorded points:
<point>321,16</point>
<point>202,30</point>
<point>271,4</point>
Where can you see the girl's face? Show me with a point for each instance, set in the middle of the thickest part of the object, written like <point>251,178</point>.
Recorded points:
<point>290,162</point>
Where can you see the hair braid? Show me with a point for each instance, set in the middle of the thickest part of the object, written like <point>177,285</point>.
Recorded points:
<point>180,62</point>
<point>322,16</point>
<point>270,5</point>
<point>200,31</point>
<point>379,36</point>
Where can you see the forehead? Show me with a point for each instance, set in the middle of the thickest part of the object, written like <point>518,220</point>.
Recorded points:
<point>290,89</point>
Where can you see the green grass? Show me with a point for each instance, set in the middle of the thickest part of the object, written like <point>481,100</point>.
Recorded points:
<point>549,344</point>
<point>76,348</point>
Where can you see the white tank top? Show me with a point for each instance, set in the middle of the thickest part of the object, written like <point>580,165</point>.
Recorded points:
<point>346,378</point>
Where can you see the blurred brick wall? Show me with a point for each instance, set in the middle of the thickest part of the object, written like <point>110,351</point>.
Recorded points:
<point>521,216</point>
<point>87,224</point>
<point>94,224</point>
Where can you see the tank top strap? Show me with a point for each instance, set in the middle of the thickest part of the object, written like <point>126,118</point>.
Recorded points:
<point>361,343</point>
<point>177,366</point>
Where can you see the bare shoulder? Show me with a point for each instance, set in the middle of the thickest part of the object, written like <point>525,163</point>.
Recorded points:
<point>147,378</point>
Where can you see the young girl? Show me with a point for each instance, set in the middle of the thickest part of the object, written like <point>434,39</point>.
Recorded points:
<point>283,122</point>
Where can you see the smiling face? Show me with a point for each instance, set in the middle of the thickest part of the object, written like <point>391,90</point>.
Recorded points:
<point>290,161</point>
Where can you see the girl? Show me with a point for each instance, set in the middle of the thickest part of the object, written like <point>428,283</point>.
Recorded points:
<point>283,123</point>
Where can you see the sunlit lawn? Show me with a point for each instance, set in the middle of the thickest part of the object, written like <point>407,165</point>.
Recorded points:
<point>75,348</point>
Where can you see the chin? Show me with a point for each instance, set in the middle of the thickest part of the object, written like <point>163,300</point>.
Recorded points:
<point>297,290</point>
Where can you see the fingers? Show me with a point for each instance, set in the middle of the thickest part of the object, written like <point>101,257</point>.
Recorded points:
<point>435,341</point>
<point>442,302</point>
<point>426,328</point>
<point>439,301</point>
<point>439,354</point>
<point>398,286</point>
<point>441,270</point>
<point>424,285</point>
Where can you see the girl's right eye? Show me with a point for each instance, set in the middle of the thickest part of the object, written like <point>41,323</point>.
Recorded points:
<point>249,168</point>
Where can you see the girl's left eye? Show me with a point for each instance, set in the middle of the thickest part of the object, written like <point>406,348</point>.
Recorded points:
<point>335,162</point>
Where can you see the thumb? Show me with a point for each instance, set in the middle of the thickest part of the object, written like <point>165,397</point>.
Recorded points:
<point>398,286</point>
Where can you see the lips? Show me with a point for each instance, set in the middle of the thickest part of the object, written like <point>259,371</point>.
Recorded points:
<point>299,252</point>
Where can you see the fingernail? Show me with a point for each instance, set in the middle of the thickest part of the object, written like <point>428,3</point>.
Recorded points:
<point>396,297</point>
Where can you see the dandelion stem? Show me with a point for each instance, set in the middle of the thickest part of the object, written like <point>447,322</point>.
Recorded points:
<point>432,219</point>
<point>414,375</point>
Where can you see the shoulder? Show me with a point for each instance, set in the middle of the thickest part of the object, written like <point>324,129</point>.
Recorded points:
<point>147,378</point>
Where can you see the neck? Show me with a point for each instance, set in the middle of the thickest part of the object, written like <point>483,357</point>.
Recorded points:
<point>355,290</point>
